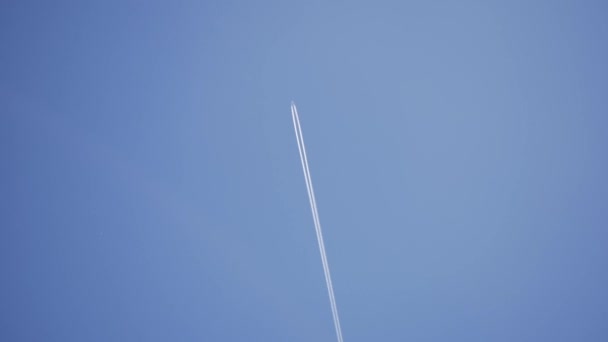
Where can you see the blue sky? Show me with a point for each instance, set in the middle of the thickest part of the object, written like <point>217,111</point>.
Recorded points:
<point>152,188</point>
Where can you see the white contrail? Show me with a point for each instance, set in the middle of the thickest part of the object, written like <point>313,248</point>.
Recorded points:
<point>317,222</point>
<point>315,213</point>
<point>315,216</point>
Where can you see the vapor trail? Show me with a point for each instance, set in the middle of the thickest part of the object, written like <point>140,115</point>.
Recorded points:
<point>315,216</point>
<point>315,213</point>
<point>317,222</point>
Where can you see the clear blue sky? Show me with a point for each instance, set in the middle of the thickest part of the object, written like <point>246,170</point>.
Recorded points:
<point>152,189</point>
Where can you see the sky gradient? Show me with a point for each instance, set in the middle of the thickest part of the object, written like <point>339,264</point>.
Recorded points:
<point>152,188</point>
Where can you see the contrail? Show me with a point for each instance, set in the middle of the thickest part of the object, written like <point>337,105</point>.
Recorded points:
<point>315,217</point>
<point>315,214</point>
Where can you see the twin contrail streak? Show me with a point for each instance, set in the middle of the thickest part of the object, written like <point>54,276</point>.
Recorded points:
<point>315,217</point>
